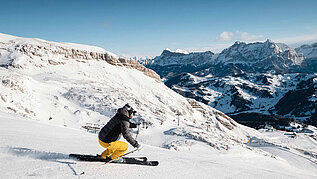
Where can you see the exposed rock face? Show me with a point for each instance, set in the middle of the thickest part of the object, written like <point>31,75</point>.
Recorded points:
<point>177,58</point>
<point>267,57</point>
<point>172,63</point>
<point>135,65</point>
<point>65,53</point>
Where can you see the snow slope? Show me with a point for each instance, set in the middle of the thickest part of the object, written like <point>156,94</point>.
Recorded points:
<point>30,149</point>
<point>10,39</point>
<point>70,87</point>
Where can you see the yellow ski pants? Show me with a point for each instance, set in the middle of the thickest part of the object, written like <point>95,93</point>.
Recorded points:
<point>114,149</point>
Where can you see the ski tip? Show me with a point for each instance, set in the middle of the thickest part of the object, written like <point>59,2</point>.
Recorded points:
<point>154,163</point>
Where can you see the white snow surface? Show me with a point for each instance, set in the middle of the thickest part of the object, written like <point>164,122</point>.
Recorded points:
<point>31,149</point>
<point>9,39</point>
<point>58,95</point>
<point>177,51</point>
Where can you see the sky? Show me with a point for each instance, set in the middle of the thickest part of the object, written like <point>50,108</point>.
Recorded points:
<point>146,27</point>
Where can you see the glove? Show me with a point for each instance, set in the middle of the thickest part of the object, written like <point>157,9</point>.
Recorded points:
<point>139,147</point>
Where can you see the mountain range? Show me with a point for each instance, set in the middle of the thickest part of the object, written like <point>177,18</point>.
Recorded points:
<point>255,83</point>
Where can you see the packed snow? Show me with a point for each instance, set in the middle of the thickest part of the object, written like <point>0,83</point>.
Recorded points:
<point>33,149</point>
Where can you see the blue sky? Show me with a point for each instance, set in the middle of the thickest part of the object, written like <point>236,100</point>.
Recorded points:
<point>140,28</point>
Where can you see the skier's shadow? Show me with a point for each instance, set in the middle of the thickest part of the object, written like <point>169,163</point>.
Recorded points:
<point>41,155</point>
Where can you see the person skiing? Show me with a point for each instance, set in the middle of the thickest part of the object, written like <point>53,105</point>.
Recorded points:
<point>110,134</point>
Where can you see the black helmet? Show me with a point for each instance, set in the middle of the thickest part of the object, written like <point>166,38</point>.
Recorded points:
<point>129,109</point>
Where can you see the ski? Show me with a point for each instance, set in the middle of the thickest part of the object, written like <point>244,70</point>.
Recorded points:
<point>126,160</point>
<point>98,158</point>
<point>138,162</point>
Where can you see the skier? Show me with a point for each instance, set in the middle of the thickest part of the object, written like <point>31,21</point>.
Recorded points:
<point>112,131</point>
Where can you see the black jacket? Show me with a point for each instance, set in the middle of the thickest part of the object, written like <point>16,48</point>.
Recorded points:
<point>117,126</point>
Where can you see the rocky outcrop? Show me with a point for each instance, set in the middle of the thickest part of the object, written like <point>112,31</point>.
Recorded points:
<point>135,65</point>
<point>170,63</point>
<point>63,54</point>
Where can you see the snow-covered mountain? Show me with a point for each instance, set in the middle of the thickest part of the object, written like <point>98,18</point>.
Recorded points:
<point>248,78</point>
<point>309,51</point>
<point>171,62</point>
<point>72,85</point>
<point>180,57</point>
<point>240,58</point>
<point>65,87</point>
<point>267,57</point>
<point>248,97</point>
<point>142,60</point>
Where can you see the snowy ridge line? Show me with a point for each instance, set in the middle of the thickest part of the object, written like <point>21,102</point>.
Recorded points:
<point>10,39</point>
<point>13,49</point>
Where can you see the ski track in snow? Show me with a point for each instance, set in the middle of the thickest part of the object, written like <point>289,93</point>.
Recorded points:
<point>291,157</point>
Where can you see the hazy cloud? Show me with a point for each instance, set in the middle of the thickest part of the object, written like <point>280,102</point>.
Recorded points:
<point>216,48</point>
<point>244,36</point>
<point>298,40</point>
<point>238,35</point>
<point>225,37</point>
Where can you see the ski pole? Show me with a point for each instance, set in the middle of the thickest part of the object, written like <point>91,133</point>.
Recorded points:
<point>137,133</point>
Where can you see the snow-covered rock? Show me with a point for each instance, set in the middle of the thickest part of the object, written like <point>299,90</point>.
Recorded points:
<point>259,57</point>
<point>180,57</point>
<point>142,60</point>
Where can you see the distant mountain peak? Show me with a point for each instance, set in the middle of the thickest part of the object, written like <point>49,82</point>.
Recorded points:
<point>309,51</point>
<point>176,51</point>
<point>269,41</point>
<point>239,43</point>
